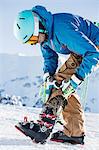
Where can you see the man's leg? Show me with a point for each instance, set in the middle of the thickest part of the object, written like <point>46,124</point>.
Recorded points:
<point>74,117</point>
<point>72,113</point>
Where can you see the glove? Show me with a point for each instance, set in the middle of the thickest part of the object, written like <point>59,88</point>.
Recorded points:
<point>48,85</point>
<point>51,80</point>
<point>69,87</point>
<point>46,76</point>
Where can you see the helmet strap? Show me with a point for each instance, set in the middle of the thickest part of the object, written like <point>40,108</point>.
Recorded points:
<point>42,28</point>
<point>42,31</point>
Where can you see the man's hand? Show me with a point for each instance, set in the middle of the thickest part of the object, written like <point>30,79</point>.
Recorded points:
<point>46,76</point>
<point>48,85</point>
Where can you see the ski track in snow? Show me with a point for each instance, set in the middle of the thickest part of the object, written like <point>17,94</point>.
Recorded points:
<point>12,139</point>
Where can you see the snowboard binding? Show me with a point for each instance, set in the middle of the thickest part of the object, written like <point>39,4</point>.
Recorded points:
<point>41,130</point>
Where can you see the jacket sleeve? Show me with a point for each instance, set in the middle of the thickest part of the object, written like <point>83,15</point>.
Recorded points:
<point>50,59</point>
<point>79,43</point>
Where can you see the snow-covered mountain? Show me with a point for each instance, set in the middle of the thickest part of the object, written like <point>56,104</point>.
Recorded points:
<point>22,76</point>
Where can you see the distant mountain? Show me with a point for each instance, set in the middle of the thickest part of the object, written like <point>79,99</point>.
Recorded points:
<point>22,76</point>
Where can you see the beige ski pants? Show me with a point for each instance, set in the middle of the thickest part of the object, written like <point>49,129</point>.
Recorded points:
<point>72,113</point>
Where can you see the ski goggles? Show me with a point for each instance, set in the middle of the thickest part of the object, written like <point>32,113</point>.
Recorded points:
<point>33,40</point>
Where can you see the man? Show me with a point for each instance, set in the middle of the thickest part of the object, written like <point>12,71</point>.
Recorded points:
<point>66,34</point>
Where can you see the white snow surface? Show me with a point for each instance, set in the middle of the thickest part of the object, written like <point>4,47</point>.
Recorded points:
<point>12,139</point>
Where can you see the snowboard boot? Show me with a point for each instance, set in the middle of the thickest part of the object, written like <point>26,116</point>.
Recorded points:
<point>41,130</point>
<point>61,137</point>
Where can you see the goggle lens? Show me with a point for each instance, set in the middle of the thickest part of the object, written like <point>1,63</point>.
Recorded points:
<point>33,40</point>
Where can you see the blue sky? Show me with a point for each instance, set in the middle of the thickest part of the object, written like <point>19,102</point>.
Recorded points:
<point>10,8</point>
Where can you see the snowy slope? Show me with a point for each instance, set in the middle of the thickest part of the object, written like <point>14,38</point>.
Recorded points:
<point>11,139</point>
<point>22,76</point>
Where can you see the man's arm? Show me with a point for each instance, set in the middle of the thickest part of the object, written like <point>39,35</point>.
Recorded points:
<point>50,60</point>
<point>78,43</point>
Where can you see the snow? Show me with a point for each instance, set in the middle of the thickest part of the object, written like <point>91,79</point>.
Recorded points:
<point>11,139</point>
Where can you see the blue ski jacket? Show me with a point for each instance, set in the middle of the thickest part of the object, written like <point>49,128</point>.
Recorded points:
<point>68,33</point>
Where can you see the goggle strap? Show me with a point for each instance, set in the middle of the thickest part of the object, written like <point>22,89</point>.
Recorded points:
<point>36,25</point>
